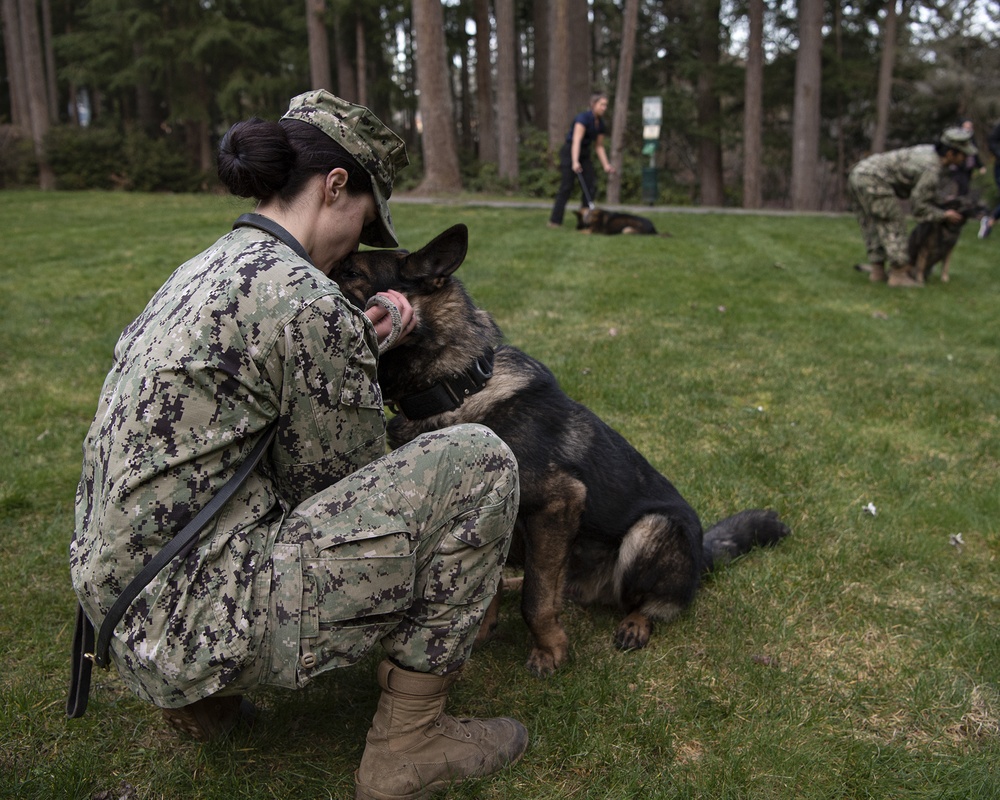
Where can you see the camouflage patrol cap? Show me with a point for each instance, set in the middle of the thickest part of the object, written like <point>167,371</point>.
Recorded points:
<point>378,150</point>
<point>959,139</point>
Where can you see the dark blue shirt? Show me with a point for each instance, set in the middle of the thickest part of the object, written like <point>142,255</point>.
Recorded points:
<point>592,128</point>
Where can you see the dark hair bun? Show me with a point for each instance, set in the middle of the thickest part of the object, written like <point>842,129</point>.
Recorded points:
<point>255,159</point>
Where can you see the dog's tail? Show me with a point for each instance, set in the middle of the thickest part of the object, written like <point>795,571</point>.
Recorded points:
<point>740,533</point>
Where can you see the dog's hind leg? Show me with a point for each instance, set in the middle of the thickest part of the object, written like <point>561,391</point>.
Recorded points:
<point>655,578</point>
<point>548,535</point>
<point>492,616</point>
<point>490,619</point>
<point>922,268</point>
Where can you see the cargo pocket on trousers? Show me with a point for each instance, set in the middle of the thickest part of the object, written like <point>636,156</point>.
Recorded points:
<point>478,545</point>
<point>285,613</point>
<point>362,585</point>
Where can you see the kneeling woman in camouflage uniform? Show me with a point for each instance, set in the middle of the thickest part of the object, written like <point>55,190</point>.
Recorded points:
<point>914,172</point>
<point>330,547</point>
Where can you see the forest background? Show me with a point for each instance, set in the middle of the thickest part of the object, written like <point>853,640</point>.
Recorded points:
<point>765,104</point>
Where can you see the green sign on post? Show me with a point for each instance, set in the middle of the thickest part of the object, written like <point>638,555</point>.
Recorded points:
<point>652,118</point>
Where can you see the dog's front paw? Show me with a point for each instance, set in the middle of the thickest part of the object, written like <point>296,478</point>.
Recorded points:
<point>633,632</point>
<point>542,663</point>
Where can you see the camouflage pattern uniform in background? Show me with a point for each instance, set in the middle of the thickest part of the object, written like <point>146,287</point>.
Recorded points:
<point>330,546</point>
<point>875,184</point>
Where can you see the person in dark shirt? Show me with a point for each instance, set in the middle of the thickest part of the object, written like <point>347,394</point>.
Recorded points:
<point>588,129</point>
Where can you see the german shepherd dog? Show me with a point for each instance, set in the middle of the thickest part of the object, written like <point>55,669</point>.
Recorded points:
<point>597,220</point>
<point>932,242</point>
<point>596,522</point>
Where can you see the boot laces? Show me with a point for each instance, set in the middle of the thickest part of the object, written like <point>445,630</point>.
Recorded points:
<point>460,728</point>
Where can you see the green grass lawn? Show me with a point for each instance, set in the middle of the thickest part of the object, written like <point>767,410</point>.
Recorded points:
<point>744,358</point>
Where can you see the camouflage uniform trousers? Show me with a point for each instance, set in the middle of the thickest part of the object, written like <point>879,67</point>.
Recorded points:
<point>883,225</point>
<point>406,552</point>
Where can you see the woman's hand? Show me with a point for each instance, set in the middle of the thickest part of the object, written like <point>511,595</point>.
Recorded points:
<point>393,317</point>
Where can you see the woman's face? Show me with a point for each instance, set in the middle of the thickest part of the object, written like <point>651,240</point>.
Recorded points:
<point>358,211</point>
<point>342,225</point>
<point>601,106</point>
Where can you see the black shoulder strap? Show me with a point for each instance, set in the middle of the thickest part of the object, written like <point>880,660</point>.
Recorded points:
<point>85,652</point>
<point>79,679</point>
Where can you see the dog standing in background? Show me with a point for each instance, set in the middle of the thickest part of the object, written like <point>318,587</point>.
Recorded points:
<point>931,243</point>
<point>596,522</point>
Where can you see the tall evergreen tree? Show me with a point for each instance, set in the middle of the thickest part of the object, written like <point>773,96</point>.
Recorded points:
<point>439,144</point>
<point>806,120</point>
<point>753,98</point>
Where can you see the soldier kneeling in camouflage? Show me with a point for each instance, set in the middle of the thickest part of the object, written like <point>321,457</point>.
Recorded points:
<point>914,172</point>
<point>330,547</point>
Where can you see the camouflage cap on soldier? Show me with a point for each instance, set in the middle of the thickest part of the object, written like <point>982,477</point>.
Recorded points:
<point>376,148</point>
<point>959,139</point>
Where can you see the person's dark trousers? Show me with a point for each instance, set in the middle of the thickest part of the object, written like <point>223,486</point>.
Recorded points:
<point>962,181</point>
<point>996,178</point>
<point>569,182</point>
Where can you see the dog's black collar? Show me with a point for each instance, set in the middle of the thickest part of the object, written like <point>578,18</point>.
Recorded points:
<point>448,393</point>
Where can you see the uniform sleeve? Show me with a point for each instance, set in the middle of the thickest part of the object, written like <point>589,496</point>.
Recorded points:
<point>923,197</point>
<point>332,421</point>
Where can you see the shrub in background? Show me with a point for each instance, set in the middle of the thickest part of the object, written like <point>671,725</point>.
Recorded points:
<point>17,159</point>
<point>85,158</point>
<point>103,158</point>
<point>157,165</point>
<point>538,168</point>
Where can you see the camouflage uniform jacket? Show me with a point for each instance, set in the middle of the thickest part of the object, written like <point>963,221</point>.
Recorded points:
<point>913,172</point>
<point>244,333</point>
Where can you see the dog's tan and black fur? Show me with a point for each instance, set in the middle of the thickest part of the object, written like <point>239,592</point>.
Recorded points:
<point>931,243</point>
<point>596,522</point>
<point>599,220</point>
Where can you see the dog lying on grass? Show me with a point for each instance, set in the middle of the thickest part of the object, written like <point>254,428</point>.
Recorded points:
<point>596,522</point>
<point>598,220</point>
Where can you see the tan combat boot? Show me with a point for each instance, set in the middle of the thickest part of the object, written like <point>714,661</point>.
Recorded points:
<point>414,749</point>
<point>901,277</point>
<point>210,718</point>
<point>875,270</point>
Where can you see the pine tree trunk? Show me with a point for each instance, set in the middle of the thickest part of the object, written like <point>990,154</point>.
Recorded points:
<point>709,109</point>
<point>18,80</point>
<point>50,62</point>
<point>540,80</point>
<point>485,125</point>
<point>507,127</point>
<point>559,67</point>
<point>806,115</point>
<point>361,59</point>
<point>580,78</point>
<point>753,93</point>
<point>319,45</point>
<point>885,69</point>
<point>347,81</point>
<point>441,173</point>
<point>38,103</point>
<point>621,99</point>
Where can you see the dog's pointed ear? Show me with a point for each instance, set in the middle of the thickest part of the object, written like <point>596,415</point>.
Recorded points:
<point>441,256</point>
